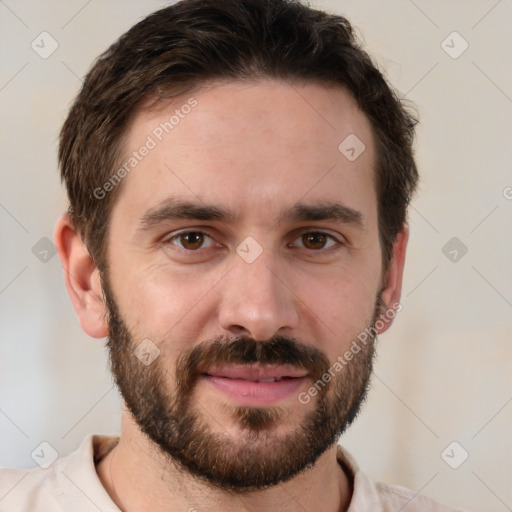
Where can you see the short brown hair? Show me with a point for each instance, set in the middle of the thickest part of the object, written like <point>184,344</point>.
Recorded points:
<point>181,47</point>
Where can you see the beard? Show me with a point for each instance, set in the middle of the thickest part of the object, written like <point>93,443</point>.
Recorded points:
<point>259,457</point>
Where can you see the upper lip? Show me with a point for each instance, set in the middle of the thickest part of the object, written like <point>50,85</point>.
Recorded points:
<point>256,372</point>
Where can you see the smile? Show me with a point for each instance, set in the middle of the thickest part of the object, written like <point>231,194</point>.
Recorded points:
<point>256,386</point>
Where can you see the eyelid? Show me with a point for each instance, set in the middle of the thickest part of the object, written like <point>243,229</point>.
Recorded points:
<point>183,231</point>
<point>176,234</point>
<point>325,231</point>
<point>335,237</point>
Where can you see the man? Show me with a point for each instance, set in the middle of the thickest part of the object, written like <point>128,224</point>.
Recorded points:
<point>238,175</point>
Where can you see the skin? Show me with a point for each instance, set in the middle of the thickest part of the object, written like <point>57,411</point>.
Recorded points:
<point>258,149</point>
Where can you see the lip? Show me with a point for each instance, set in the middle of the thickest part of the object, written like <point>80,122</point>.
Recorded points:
<point>243,384</point>
<point>257,372</point>
<point>256,394</point>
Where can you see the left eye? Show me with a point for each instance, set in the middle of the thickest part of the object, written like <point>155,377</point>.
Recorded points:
<point>316,240</point>
<point>191,240</point>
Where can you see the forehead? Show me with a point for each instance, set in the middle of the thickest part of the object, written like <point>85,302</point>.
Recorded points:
<point>264,144</point>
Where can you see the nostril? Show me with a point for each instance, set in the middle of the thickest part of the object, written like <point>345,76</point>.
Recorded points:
<point>239,330</point>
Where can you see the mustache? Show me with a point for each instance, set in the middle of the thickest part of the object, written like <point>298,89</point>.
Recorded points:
<point>223,351</point>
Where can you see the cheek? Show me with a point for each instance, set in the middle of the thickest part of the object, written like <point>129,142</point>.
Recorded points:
<point>163,305</point>
<point>339,304</point>
<point>345,307</point>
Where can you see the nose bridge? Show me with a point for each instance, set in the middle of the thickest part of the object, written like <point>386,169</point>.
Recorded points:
<point>255,300</point>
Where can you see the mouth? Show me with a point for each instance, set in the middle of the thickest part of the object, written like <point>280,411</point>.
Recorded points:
<point>275,379</point>
<point>258,373</point>
<point>256,385</point>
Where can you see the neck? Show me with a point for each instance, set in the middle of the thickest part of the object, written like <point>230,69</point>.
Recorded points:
<point>137,479</point>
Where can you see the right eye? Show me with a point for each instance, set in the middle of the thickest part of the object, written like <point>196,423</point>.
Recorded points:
<point>191,240</point>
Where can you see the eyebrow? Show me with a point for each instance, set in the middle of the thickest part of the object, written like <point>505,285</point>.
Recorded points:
<point>325,210</point>
<point>173,209</point>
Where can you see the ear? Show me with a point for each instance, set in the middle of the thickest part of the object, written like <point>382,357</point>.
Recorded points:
<point>392,290</point>
<point>82,279</point>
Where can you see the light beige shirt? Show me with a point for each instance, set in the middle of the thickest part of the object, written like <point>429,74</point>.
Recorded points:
<point>71,484</point>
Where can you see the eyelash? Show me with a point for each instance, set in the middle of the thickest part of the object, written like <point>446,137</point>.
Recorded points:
<point>177,236</point>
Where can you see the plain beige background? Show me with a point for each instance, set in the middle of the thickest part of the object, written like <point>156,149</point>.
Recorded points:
<point>444,369</point>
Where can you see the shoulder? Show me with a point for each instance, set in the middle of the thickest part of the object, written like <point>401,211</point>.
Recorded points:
<point>371,496</point>
<point>396,497</point>
<point>25,490</point>
<point>69,481</point>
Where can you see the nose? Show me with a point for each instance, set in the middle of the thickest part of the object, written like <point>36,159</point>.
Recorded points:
<point>257,301</point>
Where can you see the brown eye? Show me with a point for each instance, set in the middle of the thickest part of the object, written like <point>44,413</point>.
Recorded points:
<point>190,240</point>
<point>314,240</point>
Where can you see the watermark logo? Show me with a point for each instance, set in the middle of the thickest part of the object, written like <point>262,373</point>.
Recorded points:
<point>342,360</point>
<point>44,250</point>
<point>249,250</point>
<point>152,140</point>
<point>454,249</point>
<point>44,45</point>
<point>454,45</point>
<point>146,352</point>
<point>352,147</point>
<point>44,455</point>
<point>454,455</point>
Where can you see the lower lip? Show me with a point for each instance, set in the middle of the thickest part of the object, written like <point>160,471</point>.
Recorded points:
<point>250,393</point>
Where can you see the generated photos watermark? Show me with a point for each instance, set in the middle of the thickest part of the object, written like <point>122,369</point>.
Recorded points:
<point>365,336</point>
<point>152,140</point>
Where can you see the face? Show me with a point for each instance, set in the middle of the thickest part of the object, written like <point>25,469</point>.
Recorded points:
<point>243,262</point>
